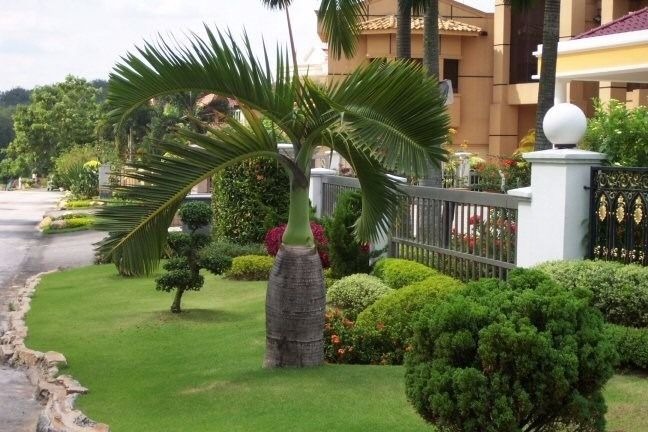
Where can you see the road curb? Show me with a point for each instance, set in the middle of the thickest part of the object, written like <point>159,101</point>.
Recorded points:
<point>56,392</point>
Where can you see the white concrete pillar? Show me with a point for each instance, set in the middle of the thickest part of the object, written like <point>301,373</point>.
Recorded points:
<point>553,224</point>
<point>316,189</point>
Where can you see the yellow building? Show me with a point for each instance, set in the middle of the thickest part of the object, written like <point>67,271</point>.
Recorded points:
<point>489,58</point>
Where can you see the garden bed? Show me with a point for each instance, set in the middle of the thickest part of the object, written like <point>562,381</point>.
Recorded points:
<point>150,370</point>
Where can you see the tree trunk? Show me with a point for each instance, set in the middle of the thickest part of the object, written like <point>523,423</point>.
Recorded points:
<point>295,305</point>
<point>434,175</point>
<point>431,38</point>
<point>547,86</point>
<point>175,307</point>
<point>404,30</point>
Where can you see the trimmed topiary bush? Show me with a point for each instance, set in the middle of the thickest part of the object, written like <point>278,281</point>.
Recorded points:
<point>631,345</point>
<point>249,198</point>
<point>500,357</point>
<point>183,268</point>
<point>355,293</point>
<point>392,316</point>
<point>619,291</point>
<point>347,255</point>
<point>251,267</point>
<point>398,273</point>
<point>217,256</point>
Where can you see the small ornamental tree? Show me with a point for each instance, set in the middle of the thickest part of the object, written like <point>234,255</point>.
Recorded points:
<point>183,268</point>
<point>347,254</point>
<point>525,355</point>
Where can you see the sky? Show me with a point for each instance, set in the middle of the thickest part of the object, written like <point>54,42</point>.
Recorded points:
<point>42,41</point>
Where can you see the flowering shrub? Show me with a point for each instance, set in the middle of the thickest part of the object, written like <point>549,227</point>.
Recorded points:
<point>493,236</point>
<point>274,236</point>
<point>345,343</point>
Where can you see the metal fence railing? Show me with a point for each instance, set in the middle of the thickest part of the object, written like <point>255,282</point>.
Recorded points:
<point>462,233</point>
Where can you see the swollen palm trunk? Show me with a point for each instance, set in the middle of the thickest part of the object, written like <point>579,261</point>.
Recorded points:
<point>295,305</point>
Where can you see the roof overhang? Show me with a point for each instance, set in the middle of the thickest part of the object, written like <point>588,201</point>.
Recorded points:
<point>621,57</point>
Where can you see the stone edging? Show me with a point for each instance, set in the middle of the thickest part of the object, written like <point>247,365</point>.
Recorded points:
<point>56,392</point>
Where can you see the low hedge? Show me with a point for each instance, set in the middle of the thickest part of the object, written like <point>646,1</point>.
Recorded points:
<point>251,267</point>
<point>392,316</point>
<point>631,345</point>
<point>618,290</point>
<point>217,256</point>
<point>356,292</point>
<point>398,273</point>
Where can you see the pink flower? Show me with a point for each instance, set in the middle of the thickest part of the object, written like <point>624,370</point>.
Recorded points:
<point>474,219</point>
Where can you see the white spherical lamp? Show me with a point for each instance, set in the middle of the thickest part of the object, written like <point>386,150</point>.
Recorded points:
<point>564,125</point>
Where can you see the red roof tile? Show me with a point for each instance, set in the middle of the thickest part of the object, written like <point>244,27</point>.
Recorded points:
<point>632,22</point>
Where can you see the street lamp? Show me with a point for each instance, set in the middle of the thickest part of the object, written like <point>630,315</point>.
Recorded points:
<point>564,125</point>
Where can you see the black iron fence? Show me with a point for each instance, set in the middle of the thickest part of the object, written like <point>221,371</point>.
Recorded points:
<point>618,219</point>
<point>462,233</point>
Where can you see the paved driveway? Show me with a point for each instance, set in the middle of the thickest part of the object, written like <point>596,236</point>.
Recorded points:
<point>23,253</point>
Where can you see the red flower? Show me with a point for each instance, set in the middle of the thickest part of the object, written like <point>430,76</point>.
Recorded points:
<point>474,219</point>
<point>335,339</point>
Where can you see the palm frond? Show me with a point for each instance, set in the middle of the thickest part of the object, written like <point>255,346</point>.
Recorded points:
<point>339,20</point>
<point>138,230</point>
<point>276,4</point>
<point>396,112</point>
<point>216,64</point>
<point>380,194</point>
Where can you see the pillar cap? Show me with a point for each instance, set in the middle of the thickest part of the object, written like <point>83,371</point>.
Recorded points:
<point>321,172</point>
<point>564,157</point>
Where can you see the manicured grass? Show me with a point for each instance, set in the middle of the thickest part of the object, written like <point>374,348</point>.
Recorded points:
<point>149,370</point>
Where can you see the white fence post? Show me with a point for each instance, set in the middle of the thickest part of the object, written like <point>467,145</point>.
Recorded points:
<point>553,225</point>
<point>316,188</point>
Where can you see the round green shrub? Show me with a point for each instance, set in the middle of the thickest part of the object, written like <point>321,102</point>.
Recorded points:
<point>251,267</point>
<point>618,290</point>
<point>398,273</point>
<point>631,345</point>
<point>249,198</point>
<point>497,357</point>
<point>392,316</point>
<point>217,256</point>
<point>355,293</point>
<point>195,214</point>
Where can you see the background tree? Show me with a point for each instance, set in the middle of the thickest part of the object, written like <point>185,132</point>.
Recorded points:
<point>57,118</point>
<point>379,118</point>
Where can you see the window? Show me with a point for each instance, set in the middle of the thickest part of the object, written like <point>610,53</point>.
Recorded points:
<point>526,35</point>
<point>451,72</point>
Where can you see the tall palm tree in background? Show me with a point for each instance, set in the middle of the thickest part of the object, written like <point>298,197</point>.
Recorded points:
<point>380,118</point>
<point>547,85</point>
<point>404,30</point>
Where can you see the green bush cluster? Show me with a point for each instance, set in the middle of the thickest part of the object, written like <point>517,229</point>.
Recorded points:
<point>619,291</point>
<point>499,357</point>
<point>249,198</point>
<point>631,345</point>
<point>392,316</point>
<point>619,132</point>
<point>251,267</point>
<point>355,293</point>
<point>397,273</point>
<point>347,255</point>
<point>217,256</point>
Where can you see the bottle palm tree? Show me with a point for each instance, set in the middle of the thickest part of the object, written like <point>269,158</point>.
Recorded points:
<point>380,118</point>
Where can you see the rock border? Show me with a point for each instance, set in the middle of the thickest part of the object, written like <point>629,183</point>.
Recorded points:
<point>56,392</point>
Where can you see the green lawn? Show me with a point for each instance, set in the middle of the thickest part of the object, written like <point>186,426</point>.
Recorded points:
<point>148,370</point>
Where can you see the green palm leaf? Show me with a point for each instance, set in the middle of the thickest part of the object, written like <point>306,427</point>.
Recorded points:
<point>339,20</point>
<point>216,65</point>
<point>138,230</point>
<point>397,112</point>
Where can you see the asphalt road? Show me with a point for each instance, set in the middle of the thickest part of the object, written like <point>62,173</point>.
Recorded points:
<point>24,252</point>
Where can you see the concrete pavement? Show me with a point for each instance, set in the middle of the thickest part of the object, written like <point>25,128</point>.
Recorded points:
<point>24,252</point>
